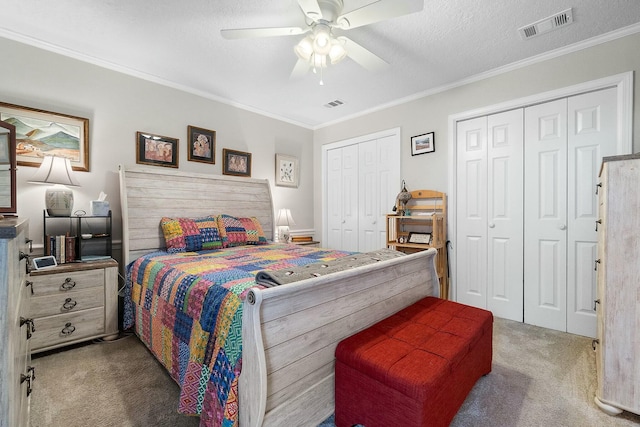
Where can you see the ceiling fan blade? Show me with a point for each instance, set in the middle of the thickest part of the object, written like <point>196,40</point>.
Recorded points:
<point>311,9</point>
<point>300,69</point>
<point>363,56</point>
<point>378,11</point>
<point>247,33</point>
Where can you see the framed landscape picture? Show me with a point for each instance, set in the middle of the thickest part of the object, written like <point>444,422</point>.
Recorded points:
<point>287,170</point>
<point>40,133</point>
<point>236,163</point>
<point>202,145</point>
<point>422,144</point>
<point>156,150</point>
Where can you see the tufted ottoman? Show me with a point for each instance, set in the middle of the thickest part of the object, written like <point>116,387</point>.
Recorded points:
<point>415,368</point>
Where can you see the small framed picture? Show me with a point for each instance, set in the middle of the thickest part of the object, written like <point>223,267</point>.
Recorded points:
<point>236,163</point>
<point>202,145</point>
<point>425,143</point>
<point>156,150</point>
<point>422,238</point>
<point>287,170</point>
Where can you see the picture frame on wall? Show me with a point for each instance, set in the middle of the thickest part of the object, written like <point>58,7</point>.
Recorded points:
<point>287,171</point>
<point>201,145</point>
<point>156,150</point>
<point>236,163</point>
<point>40,133</point>
<point>421,144</point>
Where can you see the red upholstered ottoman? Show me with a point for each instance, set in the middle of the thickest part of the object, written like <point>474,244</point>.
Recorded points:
<point>414,368</point>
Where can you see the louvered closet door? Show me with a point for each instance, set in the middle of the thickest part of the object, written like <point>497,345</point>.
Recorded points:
<point>489,220</point>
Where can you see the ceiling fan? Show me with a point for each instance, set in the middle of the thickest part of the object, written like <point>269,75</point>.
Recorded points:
<point>321,45</point>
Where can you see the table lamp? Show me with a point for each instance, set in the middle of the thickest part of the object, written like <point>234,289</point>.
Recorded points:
<point>283,221</point>
<point>58,199</point>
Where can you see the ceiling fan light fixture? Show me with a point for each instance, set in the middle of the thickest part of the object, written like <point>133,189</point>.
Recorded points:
<point>322,39</point>
<point>304,49</point>
<point>337,52</point>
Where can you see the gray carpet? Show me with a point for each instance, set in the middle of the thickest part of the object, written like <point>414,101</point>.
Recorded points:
<point>540,378</point>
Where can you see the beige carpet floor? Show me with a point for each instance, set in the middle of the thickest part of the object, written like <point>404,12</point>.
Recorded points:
<point>540,378</point>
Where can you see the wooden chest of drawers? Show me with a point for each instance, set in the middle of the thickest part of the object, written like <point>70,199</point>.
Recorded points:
<point>72,303</point>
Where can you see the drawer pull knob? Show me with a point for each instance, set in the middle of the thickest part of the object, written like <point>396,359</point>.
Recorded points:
<point>28,379</point>
<point>68,329</point>
<point>68,284</point>
<point>31,328</point>
<point>29,284</point>
<point>23,255</point>
<point>595,304</point>
<point>593,344</point>
<point>69,304</point>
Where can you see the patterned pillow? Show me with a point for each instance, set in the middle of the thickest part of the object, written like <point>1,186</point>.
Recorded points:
<point>255,235</point>
<point>191,234</point>
<point>232,231</point>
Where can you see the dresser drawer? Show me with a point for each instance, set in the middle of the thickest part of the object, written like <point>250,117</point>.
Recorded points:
<point>67,281</point>
<point>54,330</point>
<point>66,302</point>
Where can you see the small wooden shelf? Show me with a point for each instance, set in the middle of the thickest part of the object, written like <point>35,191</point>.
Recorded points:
<point>428,214</point>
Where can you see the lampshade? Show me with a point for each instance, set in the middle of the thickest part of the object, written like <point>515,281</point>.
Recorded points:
<point>58,171</point>
<point>284,221</point>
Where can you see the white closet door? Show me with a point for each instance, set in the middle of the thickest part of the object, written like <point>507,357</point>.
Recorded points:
<point>471,218</point>
<point>379,178</point>
<point>592,134</point>
<point>505,214</point>
<point>342,203</point>
<point>545,223</point>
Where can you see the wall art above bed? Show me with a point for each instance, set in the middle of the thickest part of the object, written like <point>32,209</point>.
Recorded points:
<point>236,163</point>
<point>202,145</point>
<point>156,150</point>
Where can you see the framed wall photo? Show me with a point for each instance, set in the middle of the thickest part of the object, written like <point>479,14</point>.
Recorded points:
<point>156,150</point>
<point>287,170</point>
<point>202,145</point>
<point>421,144</point>
<point>236,163</point>
<point>40,133</point>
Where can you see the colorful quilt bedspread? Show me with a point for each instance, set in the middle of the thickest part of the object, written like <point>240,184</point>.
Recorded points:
<point>187,308</point>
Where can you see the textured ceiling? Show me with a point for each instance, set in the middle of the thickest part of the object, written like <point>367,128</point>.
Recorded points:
<point>179,43</point>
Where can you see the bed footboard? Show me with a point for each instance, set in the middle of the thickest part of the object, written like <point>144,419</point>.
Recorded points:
<point>290,334</point>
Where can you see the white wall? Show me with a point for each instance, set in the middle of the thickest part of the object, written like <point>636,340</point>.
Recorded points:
<point>118,105</point>
<point>431,113</point>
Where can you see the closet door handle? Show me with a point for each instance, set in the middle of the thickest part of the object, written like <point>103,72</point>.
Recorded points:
<point>492,225</point>
<point>563,227</point>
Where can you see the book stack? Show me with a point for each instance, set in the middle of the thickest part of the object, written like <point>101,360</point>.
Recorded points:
<point>299,239</point>
<point>62,247</point>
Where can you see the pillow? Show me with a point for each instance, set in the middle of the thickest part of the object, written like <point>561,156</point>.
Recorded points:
<point>232,231</point>
<point>191,234</point>
<point>255,235</point>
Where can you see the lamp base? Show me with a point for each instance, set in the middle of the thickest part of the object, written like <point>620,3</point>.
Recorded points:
<point>58,201</point>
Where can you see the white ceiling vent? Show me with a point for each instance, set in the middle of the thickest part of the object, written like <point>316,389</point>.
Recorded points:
<point>334,103</point>
<point>551,23</point>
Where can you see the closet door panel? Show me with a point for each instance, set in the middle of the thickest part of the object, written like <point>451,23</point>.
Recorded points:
<point>504,213</point>
<point>592,134</point>
<point>545,218</point>
<point>471,240</point>
<point>349,198</point>
<point>334,198</point>
<point>368,205</point>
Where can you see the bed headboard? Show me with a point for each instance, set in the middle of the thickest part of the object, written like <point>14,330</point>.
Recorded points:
<point>149,193</point>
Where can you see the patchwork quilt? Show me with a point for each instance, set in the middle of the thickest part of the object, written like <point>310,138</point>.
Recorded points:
<point>187,308</point>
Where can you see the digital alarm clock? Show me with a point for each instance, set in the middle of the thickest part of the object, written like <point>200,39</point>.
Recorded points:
<point>44,262</point>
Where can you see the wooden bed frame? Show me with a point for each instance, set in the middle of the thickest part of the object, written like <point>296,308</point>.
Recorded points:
<point>289,332</point>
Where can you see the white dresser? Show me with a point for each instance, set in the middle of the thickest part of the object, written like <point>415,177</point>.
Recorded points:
<point>16,377</point>
<point>617,342</point>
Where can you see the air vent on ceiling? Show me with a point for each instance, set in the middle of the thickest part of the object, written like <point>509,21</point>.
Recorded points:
<point>334,103</point>
<point>545,25</point>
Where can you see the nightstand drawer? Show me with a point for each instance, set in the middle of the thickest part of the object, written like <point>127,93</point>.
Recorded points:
<point>66,281</point>
<point>66,302</point>
<point>54,330</point>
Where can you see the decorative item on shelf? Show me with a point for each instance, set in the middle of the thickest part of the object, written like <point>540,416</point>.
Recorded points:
<point>59,198</point>
<point>284,221</point>
<point>401,199</point>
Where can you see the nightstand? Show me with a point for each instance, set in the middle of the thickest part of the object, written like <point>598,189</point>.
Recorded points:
<point>74,302</point>
<point>312,243</point>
